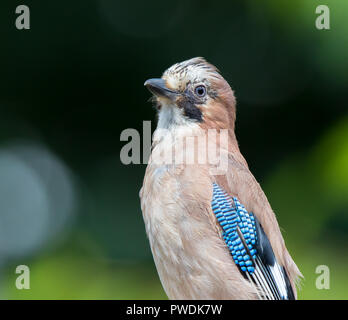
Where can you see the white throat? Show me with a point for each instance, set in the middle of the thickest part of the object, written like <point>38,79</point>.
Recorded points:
<point>172,121</point>
<point>170,116</point>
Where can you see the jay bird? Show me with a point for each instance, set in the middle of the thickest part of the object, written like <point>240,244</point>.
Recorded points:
<point>213,235</point>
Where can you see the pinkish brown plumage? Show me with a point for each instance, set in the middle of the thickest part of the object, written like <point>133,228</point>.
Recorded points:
<point>191,256</point>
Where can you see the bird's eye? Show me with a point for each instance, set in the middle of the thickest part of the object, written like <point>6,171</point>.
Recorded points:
<point>200,91</point>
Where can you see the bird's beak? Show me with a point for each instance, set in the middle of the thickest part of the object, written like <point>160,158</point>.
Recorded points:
<point>159,88</point>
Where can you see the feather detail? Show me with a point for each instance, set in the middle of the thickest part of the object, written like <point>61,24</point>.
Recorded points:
<point>250,247</point>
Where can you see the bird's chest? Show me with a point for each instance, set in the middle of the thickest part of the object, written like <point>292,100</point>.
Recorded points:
<point>161,201</point>
<point>177,224</point>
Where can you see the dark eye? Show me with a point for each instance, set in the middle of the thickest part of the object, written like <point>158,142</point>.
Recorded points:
<point>200,91</point>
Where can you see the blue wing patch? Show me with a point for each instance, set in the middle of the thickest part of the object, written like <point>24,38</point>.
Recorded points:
<point>231,214</point>
<point>250,247</point>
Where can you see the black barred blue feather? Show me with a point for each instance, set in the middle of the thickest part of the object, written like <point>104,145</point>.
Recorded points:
<point>250,247</point>
<point>231,215</point>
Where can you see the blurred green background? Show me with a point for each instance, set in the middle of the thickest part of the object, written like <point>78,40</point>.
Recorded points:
<point>68,87</point>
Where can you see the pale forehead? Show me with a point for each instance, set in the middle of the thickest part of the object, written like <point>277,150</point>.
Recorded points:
<point>192,71</point>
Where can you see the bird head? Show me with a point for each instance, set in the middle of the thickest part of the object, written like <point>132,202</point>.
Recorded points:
<point>193,93</point>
